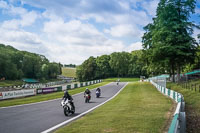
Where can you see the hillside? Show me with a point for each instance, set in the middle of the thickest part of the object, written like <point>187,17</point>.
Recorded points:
<point>16,64</point>
<point>69,72</point>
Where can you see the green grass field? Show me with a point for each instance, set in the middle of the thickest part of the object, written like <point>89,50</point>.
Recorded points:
<point>10,83</point>
<point>69,72</point>
<point>39,98</point>
<point>121,79</point>
<point>139,108</point>
<point>192,106</point>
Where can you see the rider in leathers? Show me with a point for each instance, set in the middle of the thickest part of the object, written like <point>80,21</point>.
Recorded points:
<point>69,97</point>
<point>87,91</point>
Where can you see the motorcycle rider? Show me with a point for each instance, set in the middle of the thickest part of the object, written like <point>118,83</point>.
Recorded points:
<point>118,80</point>
<point>98,90</point>
<point>69,97</point>
<point>87,91</point>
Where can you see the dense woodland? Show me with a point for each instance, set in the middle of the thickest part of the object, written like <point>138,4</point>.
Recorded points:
<point>15,64</point>
<point>169,47</point>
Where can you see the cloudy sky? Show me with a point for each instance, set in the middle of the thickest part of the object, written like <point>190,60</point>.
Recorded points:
<point>69,31</point>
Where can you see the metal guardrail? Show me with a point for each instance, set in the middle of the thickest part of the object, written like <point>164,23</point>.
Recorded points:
<point>178,124</point>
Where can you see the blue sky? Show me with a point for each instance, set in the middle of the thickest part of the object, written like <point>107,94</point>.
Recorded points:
<point>69,31</point>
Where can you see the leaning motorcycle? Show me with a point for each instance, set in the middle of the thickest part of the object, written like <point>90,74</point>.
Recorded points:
<point>67,107</point>
<point>87,98</point>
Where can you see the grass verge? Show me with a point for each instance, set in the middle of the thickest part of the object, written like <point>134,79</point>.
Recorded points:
<point>121,79</point>
<point>45,97</point>
<point>138,108</point>
<point>192,107</point>
<point>4,83</point>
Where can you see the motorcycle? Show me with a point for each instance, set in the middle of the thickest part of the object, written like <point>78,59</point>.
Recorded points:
<point>98,94</point>
<point>67,107</point>
<point>87,98</point>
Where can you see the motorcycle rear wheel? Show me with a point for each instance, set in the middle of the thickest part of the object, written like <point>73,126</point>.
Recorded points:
<point>66,111</point>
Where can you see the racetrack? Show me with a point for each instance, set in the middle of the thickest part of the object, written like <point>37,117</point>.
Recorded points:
<point>35,118</point>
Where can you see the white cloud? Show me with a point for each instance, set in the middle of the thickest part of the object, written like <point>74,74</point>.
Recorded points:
<point>3,5</point>
<point>135,46</point>
<point>19,36</point>
<point>73,32</point>
<point>23,40</point>
<point>11,24</point>
<point>26,18</point>
<point>124,5</point>
<point>29,18</point>
<point>127,30</point>
<point>78,53</point>
<point>150,7</point>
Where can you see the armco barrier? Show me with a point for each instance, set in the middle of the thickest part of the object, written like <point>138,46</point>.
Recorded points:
<point>77,85</point>
<point>178,124</point>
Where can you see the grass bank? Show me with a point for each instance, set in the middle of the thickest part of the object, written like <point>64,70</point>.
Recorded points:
<point>138,108</point>
<point>192,106</point>
<point>45,97</point>
<point>5,83</point>
<point>121,79</point>
<point>69,72</point>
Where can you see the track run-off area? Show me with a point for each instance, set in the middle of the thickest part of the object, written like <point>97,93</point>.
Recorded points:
<point>137,107</point>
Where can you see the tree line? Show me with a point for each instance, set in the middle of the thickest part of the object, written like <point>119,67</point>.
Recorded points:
<point>169,47</point>
<point>117,64</point>
<point>15,64</point>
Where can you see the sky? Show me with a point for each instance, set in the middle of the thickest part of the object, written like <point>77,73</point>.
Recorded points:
<point>70,31</point>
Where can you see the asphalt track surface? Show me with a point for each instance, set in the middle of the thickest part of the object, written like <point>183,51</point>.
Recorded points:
<point>36,118</point>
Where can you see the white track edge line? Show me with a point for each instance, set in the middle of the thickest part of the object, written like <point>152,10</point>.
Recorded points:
<point>44,101</point>
<point>67,121</point>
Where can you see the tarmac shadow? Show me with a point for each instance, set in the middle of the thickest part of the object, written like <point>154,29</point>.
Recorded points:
<point>101,97</point>
<point>93,102</point>
<point>73,115</point>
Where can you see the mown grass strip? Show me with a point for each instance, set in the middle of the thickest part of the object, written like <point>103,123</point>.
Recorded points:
<point>45,97</point>
<point>121,79</point>
<point>138,108</point>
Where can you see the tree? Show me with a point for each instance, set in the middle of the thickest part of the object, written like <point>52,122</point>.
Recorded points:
<point>168,39</point>
<point>87,70</point>
<point>137,65</point>
<point>119,62</point>
<point>103,67</point>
